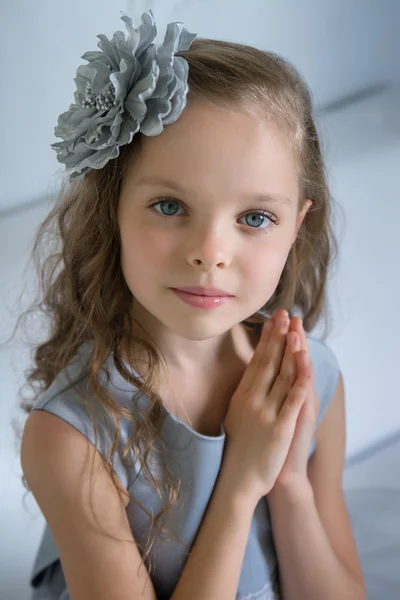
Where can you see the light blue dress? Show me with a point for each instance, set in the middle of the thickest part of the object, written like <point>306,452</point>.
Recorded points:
<point>198,458</point>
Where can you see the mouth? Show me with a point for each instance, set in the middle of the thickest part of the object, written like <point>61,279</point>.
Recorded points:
<point>208,292</point>
<point>201,301</point>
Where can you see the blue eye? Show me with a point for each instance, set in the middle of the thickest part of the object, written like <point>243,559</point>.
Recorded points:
<point>259,214</point>
<point>168,202</point>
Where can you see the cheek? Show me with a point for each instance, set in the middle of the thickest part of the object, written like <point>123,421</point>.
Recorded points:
<point>144,251</point>
<point>265,267</point>
<point>261,273</point>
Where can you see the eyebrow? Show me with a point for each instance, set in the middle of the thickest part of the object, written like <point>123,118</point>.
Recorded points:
<point>275,198</point>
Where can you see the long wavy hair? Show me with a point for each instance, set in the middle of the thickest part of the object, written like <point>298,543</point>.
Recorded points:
<point>82,293</point>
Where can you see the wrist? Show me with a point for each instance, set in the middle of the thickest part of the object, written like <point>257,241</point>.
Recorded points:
<point>239,495</point>
<point>295,489</point>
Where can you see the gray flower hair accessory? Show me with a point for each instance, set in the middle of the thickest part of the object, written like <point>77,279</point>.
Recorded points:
<point>131,84</point>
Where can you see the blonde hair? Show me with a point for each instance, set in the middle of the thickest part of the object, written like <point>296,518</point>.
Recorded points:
<point>82,290</point>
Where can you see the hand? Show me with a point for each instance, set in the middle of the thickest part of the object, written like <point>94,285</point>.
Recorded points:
<point>263,411</point>
<point>295,466</point>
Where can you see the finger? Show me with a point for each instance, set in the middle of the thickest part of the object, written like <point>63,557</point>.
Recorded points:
<point>296,324</point>
<point>271,361</point>
<point>258,359</point>
<point>254,363</point>
<point>266,357</point>
<point>298,394</point>
<point>257,355</point>
<point>286,376</point>
<point>268,327</point>
<point>304,365</point>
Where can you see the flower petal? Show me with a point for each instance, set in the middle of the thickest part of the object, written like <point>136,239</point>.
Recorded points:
<point>121,79</point>
<point>129,86</point>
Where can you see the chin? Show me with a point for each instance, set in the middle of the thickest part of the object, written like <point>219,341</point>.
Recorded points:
<point>200,329</point>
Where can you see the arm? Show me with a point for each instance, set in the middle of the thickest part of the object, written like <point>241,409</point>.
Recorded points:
<point>215,561</point>
<point>99,557</point>
<point>309,568</point>
<point>56,459</point>
<point>312,531</point>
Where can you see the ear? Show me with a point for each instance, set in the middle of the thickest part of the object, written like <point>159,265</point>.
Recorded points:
<point>301,216</point>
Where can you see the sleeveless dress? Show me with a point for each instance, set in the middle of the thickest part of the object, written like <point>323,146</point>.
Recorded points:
<point>194,457</point>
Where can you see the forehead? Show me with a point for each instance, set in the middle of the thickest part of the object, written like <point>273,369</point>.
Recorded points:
<point>216,149</point>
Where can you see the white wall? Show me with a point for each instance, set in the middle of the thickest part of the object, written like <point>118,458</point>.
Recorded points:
<point>368,290</point>
<point>363,151</point>
<point>364,158</point>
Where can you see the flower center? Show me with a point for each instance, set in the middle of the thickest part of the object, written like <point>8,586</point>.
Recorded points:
<point>104,100</point>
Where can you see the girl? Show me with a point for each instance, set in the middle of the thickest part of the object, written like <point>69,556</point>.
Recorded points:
<point>188,437</point>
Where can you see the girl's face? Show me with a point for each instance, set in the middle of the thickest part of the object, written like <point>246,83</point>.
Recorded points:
<point>190,215</point>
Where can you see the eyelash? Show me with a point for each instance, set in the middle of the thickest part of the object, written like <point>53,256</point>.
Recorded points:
<point>273,218</point>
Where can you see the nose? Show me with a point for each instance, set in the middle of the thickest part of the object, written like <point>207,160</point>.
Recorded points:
<point>209,250</point>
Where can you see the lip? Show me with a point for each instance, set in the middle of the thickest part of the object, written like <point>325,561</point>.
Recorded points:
<point>203,291</point>
<point>200,301</point>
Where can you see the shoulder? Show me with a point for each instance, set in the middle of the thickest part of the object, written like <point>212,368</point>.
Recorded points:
<point>81,412</point>
<point>71,378</point>
<point>54,453</point>
<point>326,371</point>
<point>322,353</point>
